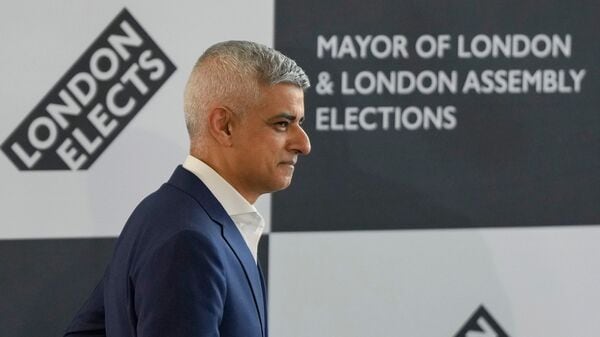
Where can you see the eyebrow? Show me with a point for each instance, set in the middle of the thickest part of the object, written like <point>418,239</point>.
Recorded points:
<point>285,115</point>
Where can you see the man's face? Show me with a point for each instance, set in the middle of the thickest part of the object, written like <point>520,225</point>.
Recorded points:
<point>267,140</point>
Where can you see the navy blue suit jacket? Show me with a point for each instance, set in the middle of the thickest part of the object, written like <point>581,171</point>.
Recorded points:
<point>180,268</point>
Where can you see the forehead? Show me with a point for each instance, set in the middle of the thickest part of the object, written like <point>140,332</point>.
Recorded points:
<point>282,98</point>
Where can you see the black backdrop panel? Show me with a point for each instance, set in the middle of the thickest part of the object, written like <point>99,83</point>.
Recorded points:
<point>501,159</point>
<point>44,282</point>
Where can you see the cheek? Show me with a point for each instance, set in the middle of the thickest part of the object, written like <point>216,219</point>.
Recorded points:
<point>265,150</point>
<point>269,149</point>
<point>260,159</point>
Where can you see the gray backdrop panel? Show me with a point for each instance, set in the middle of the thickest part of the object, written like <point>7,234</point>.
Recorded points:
<point>528,159</point>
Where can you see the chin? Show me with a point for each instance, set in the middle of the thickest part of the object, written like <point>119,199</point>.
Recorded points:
<point>283,184</point>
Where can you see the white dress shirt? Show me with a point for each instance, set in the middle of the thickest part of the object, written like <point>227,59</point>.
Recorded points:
<point>245,216</point>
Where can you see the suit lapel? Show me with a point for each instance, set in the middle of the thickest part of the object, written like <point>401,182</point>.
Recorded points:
<point>238,245</point>
<point>265,300</point>
<point>188,182</point>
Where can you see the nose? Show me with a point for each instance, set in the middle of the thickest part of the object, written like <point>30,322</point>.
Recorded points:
<point>299,143</point>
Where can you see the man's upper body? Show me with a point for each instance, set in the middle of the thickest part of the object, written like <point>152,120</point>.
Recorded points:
<point>182,268</point>
<point>185,263</point>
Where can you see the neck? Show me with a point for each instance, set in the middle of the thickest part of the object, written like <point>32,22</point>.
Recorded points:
<point>225,170</point>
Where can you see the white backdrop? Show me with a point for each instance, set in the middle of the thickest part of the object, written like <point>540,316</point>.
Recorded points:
<point>40,41</point>
<point>534,282</point>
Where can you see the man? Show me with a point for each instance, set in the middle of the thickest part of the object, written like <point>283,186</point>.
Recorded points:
<point>185,263</point>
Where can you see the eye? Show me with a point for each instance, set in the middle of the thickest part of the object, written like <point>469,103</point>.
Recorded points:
<point>282,125</point>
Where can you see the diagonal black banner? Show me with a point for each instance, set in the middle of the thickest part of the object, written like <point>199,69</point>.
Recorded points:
<point>93,101</point>
<point>483,324</point>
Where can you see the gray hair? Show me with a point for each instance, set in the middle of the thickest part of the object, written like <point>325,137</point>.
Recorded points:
<point>232,73</point>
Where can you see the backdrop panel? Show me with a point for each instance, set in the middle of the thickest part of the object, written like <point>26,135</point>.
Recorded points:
<point>41,42</point>
<point>429,283</point>
<point>43,282</point>
<point>433,114</point>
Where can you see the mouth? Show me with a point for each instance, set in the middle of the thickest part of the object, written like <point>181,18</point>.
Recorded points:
<point>288,162</point>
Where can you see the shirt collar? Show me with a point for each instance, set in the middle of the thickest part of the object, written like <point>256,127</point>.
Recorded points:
<point>231,200</point>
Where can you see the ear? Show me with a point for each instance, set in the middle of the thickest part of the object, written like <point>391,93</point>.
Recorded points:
<point>219,125</point>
